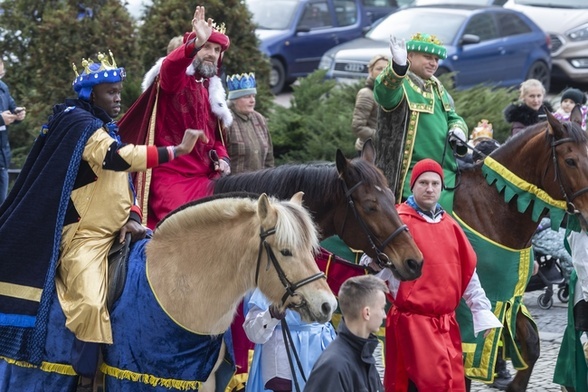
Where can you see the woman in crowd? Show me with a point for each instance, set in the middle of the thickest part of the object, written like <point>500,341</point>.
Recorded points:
<point>530,108</point>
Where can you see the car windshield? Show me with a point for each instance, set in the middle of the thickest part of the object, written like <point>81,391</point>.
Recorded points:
<point>403,24</point>
<point>579,4</point>
<point>272,15</point>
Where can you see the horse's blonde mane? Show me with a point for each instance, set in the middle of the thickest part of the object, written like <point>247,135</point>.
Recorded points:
<point>205,213</point>
<point>294,226</point>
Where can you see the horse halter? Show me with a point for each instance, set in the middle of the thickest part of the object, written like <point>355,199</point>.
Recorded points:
<point>271,257</point>
<point>571,208</point>
<point>382,259</point>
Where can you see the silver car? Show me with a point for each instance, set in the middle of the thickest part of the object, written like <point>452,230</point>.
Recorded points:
<point>566,22</point>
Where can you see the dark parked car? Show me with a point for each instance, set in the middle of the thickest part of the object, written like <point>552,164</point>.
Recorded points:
<point>294,34</point>
<point>484,45</point>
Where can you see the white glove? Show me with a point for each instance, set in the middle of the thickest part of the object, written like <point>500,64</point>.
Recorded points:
<point>398,50</point>
<point>224,167</point>
<point>457,138</point>
<point>365,260</point>
<point>457,135</point>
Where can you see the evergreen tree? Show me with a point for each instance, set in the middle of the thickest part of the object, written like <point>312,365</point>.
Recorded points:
<point>317,123</point>
<point>166,19</point>
<point>41,40</point>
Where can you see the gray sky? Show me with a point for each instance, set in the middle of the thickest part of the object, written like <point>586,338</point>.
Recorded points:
<point>136,7</point>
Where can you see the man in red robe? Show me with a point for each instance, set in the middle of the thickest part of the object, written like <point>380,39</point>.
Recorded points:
<point>423,341</point>
<point>186,91</point>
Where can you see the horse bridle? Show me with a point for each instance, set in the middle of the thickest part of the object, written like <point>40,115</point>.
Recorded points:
<point>571,208</point>
<point>290,292</point>
<point>382,259</point>
<point>289,286</point>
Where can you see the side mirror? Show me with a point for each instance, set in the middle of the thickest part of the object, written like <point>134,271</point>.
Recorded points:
<point>302,29</point>
<point>469,39</point>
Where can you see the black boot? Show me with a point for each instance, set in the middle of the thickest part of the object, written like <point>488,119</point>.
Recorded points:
<point>502,376</point>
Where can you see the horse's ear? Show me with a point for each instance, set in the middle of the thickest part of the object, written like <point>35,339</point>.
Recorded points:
<point>576,115</point>
<point>369,152</point>
<point>297,198</point>
<point>555,127</point>
<point>263,206</point>
<point>341,162</point>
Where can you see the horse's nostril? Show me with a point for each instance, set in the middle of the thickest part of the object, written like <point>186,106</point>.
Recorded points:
<point>413,265</point>
<point>326,308</point>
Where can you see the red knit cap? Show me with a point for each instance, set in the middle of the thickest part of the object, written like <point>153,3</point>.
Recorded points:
<point>422,166</point>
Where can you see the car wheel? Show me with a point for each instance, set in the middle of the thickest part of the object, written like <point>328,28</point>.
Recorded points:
<point>540,71</point>
<point>277,77</point>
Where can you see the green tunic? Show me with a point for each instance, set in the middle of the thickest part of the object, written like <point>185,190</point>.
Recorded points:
<point>431,116</point>
<point>571,369</point>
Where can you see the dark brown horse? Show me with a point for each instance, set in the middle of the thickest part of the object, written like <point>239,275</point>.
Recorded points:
<point>550,160</point>
<point>352,200</point>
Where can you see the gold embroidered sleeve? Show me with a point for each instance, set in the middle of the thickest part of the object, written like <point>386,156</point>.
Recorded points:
<point>388,90</point>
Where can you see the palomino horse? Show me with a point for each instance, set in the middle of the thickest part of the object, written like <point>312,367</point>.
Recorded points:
<point>352,200</point>
<point>181,293</point>
<point>544,169</point>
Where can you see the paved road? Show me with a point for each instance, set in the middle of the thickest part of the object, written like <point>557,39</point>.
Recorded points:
<point>551,323</point>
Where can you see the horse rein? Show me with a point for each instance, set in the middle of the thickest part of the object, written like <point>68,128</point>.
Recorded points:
<point>382,259</point>
<point>289,286</point>
<point>571,208</point>
<point>290,292</point>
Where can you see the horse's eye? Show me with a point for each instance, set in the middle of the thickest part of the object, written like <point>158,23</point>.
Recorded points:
<point>570,162</point>
<point>286,252</point>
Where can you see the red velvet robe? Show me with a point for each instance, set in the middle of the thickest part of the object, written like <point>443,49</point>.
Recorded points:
<point>423,341</point>
<point>183,103</point>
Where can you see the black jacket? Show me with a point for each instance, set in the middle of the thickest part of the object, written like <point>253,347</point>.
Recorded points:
<point>521,116</point>
<point>346,365</point>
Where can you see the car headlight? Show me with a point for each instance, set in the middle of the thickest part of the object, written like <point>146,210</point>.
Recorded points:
<point>580,33</point>
<point>326,61</point>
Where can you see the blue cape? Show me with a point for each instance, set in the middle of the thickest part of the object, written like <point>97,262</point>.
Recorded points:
<point>31,222</point>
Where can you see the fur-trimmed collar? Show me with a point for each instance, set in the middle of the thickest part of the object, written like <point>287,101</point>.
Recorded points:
<point>218,103</point>
<point>519,112</point>
<point>150,76</point>
<point>216,91</point>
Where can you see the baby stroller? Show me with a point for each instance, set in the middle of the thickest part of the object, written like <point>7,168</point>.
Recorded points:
<point>550,273</point>
<point>555,265</point>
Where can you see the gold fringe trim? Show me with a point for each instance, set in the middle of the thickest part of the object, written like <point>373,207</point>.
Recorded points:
<point>150,379</point>
<point>49,367</point>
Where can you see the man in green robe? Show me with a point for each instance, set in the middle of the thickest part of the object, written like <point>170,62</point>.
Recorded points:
<point>430,128</point>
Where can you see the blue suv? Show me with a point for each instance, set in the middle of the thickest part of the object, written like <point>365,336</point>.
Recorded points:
<point>294,34</point>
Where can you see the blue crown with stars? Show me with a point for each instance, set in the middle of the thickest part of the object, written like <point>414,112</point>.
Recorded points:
<point>96,73</point>
<point>241,85</point>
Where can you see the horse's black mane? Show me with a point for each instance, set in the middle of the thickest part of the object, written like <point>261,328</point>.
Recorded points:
<point>240,195</point>
<point>318,181</point>
<point>574,132</point>
<point>282,181</point>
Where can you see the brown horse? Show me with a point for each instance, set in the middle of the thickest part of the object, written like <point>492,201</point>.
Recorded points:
<point>352,200</point>
<point>548,161</point>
